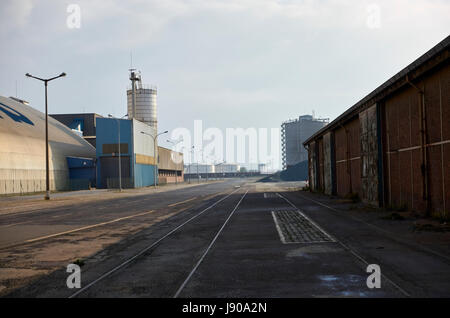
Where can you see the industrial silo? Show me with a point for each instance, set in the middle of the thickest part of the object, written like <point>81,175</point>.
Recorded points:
<point>141,101</point>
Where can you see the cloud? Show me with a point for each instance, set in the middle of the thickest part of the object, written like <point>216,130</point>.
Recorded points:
<point>14,14</point>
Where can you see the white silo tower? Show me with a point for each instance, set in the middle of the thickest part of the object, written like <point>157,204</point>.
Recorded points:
<point>141,101</point>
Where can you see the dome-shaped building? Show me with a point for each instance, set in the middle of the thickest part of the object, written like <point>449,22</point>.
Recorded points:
<point>22,149</point>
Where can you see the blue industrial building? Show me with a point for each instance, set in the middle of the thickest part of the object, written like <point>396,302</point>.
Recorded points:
<point>82,174</point>
<point>137,155</point>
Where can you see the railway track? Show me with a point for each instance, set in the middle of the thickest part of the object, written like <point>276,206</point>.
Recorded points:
<point>151,247</point>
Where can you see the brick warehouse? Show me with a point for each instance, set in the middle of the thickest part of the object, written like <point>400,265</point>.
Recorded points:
<point>392,148</point>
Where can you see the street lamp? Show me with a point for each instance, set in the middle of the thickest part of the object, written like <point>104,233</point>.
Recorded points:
<point>174,144</point>
<point>47,177</point>
<point>120,164</point>
<point>154,151</point>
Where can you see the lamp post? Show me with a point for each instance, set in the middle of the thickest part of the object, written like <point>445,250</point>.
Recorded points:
<point>174,144</point>
<point>120,164</point>
<point>154,151</point>
<point>47,173</point>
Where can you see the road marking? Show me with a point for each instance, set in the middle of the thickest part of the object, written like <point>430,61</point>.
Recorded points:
<point>378,229</point>
<point>60,215</point>
<point>148,247</point>
<point>277,226</point>
<point>306,217</point>
<point>39,209</point>
<point>9,225</point>
<point>86,227</point>
<point>354,253</point>
<point>208,248</point>
<point>294,227</point>
<point>175,204</point>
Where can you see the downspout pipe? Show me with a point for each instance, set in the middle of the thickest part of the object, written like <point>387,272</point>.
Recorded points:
<point>426,196</point>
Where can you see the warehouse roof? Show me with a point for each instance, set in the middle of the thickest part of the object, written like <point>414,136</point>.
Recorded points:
<point>427,61</point>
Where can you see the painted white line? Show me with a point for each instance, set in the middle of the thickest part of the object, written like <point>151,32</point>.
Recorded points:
<point>37,210</point>
<point>147,248</point>
<point>14,224</point>
<point>60,215</point>
<point>181,202</point>
<point>86,227</point>
<point>208,248</point>
<point>359,257</point>
<point>280,233</point>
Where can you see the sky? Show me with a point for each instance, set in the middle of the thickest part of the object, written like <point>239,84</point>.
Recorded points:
<point>229,63</point>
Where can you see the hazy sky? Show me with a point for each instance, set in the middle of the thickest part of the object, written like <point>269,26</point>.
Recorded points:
<point>245,63</point>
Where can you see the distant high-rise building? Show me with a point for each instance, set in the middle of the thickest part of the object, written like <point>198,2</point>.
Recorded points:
<point>293,133</point>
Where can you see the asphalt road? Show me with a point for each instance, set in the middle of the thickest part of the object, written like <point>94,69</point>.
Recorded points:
<point>238,238</point>
<point>17,228</point>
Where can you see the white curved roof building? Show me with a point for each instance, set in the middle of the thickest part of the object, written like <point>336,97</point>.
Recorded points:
<point>22,149</point>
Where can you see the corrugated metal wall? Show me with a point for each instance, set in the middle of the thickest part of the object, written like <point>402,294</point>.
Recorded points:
<point>395,152</point>
<point>416,148</point>
<point>348,161</point>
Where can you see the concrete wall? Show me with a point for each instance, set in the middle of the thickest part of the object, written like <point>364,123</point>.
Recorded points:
<point>170,160</point>
<point>170,166</point>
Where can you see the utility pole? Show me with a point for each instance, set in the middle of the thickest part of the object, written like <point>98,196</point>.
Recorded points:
<point>47,168</point>
<point>154,152</point>
<point>176,171</point>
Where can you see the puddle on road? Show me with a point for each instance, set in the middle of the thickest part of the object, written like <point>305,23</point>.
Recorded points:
<point>346,285</point>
